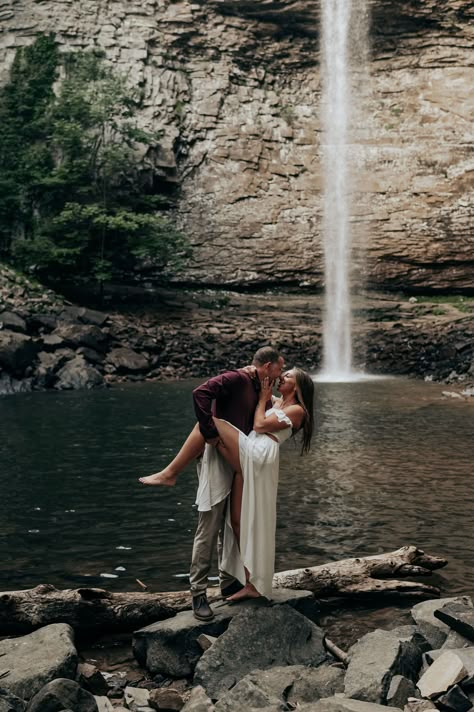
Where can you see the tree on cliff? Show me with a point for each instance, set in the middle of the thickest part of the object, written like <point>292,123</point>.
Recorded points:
<point>74,206</point>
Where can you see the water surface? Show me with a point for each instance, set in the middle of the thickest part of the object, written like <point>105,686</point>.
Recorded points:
<point>391,465</point>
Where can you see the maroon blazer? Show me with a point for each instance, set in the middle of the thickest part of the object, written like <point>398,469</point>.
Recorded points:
<point>233,396</point>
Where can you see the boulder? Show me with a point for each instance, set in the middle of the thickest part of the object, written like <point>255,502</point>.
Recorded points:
<point>344,704</point>
<point>459,617</point>
<point>76,374</point>
<point>434,630</point>
<point>292,684</point>
<point>259,638</point>
<point>12,322</point>
<point>35,659</point>
<point>10,703</point>
<point>75,335</point>
<point>125,360</point>
<point>447,670</point>
<point>376,658</point>
<point>454,699</point>
<point>456,640</point>
<point>84,315</point>
<point>90,677</point>
<point>17,351</point>
<point>165,699</point>
<point>62,694</point>
<point>198,701</point>
<point>401,688</point>
<point>171,646</point>
<point>104,704</point>
<point>136,698</point>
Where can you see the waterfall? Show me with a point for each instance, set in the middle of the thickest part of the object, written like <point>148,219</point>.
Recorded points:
<point>343,54</point>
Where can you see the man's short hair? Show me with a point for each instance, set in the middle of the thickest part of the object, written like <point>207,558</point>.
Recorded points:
<point>267,354</point>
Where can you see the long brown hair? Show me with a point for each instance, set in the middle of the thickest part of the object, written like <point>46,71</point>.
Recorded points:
<point>305,398</point>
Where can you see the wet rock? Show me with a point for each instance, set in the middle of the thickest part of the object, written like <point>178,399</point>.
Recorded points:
<point>376,658</point>
<point>166,700</point>
<point>75,335</point>
<point>17,351</point>
<point>454,699</point>
<point>401,688</point>
<point>434,630</point>
<point>198,701</point>
<point>289,639</point>
<point>447,670</point>
<point>10,703</point>
<point>77,374</point>
<point>126,360</point>
<point>12,322</point>
<point>61,694</point>
<point>171,646</point>
<point>10,385</point>
<point>459,617</point>
<point>292,684</point>
<point>37,658</point>
<point>90,677</point>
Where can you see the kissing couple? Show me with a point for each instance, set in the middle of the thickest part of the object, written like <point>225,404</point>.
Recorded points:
<point>240,428</point>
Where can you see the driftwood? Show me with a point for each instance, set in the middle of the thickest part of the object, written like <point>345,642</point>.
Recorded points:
<point>94,609</point>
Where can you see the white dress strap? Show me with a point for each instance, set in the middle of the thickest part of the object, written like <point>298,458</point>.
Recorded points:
<point>282,416</point>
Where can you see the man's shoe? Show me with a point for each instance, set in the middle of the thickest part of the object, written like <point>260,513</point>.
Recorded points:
<point>231,588</point>
<point>201,608</point>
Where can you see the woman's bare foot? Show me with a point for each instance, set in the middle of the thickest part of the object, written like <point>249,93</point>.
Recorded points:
<point>160,478</point>
<point>248,591</point>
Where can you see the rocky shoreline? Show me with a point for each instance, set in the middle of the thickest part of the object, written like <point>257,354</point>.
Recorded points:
<point>253,655</point>
<point>49,343</point>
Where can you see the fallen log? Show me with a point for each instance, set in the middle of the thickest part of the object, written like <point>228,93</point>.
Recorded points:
<point>94,609</point>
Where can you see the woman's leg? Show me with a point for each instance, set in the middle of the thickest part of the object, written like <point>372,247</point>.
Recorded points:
<point>229,449</point>
<point>192,448</point>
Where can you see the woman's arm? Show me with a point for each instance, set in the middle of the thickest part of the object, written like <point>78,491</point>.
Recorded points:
<point>271,424</point>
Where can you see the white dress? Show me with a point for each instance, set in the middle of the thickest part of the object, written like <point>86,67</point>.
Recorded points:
<point>259,460</point>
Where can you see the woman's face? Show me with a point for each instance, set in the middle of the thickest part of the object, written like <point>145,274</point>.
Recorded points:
<point>287,383</point>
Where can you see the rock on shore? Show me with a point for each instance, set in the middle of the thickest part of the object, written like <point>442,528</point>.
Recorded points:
<point>46,342</point>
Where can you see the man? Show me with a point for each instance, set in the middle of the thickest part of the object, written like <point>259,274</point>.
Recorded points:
<point>233,396</point>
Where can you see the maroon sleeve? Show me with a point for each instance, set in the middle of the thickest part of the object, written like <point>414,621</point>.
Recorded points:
<point>203,396</point>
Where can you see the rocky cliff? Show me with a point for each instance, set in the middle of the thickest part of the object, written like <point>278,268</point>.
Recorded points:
<point>235,84</point>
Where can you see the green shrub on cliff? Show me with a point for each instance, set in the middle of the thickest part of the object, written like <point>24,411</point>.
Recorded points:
<point>74,205</point>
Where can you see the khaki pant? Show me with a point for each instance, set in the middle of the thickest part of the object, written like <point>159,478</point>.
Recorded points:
<point>208,537</point>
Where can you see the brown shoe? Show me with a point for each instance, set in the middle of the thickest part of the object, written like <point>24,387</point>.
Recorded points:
<point>201,608</point>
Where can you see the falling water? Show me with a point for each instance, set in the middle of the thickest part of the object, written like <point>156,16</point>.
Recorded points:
<point>343,48</point>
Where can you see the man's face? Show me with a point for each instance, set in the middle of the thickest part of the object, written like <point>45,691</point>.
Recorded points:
<point>275,369</point>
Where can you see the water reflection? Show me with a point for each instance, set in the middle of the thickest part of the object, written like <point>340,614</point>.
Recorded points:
<point>391,465</point>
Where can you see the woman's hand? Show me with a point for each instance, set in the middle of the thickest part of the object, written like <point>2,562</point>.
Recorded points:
<point>266,386</point>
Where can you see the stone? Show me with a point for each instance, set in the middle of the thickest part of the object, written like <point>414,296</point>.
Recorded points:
<point>17,351</point>
<point>127,360</point>
<point>76,335</point>
<point>291,684</point>
<point>62,694</point>
<point>419,706</point>
<point>447,670</point>
<point>77,374</point>
<point>104,704</point>
<point>205,641</point>
<point>459,617</point>
<point>10,703</point>
<point>165,699</point>
<point>401,688</point>
<point>344,704</point>
<point>290,639</point>
<point>37,658</point>
<point>170,647</point>
<point>136,697</point>
<point>84,315</point>
<point>12,322</point>
<point>198,701</point>
<point>434,630</point>
<point>376,658</point>
<point>90,677</point>
<point>454,699</point>
<point>455,641</point>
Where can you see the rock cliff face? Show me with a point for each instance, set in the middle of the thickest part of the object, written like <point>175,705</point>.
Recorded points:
<point>235,84</point>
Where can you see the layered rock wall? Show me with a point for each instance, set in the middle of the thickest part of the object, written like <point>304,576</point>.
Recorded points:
<point>236,87</point>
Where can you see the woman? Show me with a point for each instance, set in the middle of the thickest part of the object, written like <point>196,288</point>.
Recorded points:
<point>249,537</point>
